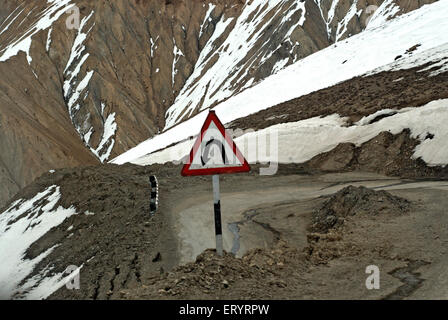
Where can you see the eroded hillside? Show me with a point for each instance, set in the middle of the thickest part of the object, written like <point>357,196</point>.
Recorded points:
<point>134,68</point>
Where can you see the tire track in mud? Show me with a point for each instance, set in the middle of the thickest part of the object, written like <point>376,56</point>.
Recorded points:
<point>411,280</point>
<point>249,216</point>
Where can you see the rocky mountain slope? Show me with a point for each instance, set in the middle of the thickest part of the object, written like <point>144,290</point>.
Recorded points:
<point>71,96</point>
<point>379,105</point>
<point>346,93</point>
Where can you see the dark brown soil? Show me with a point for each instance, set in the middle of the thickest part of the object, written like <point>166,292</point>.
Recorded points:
<point>260,274</point>
<point>386,154</point>
<point>283,271</point>
<point>128,254</point>
<point>352,201</point>
<point>355,98</point>
<point>113,235</point>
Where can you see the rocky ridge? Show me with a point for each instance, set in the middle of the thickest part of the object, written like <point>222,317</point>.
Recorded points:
<point>133,68</point>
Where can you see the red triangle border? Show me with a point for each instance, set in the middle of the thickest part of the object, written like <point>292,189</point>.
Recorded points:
<point>212,117</point>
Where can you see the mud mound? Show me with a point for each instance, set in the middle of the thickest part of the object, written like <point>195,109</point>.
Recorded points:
<point>327,241</point>
<point>352,201</point>
<point>386,153</point>
<point>259,274</point>
<point>208,273</point>
<point>325,247</point>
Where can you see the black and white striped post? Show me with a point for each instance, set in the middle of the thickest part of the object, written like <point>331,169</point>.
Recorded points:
<point>218,224</point>
<point>154,200</point>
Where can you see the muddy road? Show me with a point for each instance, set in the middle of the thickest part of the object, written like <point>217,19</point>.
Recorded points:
<point>258,212</point>
<point>194,216</point>
<point>271,251</point>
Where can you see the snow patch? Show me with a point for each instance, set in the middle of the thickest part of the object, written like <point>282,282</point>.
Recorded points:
<point>386,11</point>
<point>177,53</point>
<point>228,75</point>
<point>22,224</point>
<point>207,18</point>
<point>342,25</point>
<point>110,127</point>
<point>73,89</point>
<point>300,141</point>
<point>23,42</point>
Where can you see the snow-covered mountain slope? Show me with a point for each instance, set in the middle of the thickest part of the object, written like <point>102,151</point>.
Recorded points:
<point>134,68</point>
<point>386,47</point>
<point>250,51</point>
<point>225,68</point>
<point>23,223</point>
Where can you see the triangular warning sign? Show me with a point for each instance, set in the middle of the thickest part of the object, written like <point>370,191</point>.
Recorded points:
<point>214,151</point>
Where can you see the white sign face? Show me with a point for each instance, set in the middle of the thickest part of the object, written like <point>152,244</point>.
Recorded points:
<point>214,151</point>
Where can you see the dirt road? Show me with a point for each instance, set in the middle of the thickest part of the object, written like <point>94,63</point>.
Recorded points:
<point>266,223</point>
<point>258,212</point>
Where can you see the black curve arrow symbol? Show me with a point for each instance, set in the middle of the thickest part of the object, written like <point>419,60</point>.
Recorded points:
<point>208,145</point>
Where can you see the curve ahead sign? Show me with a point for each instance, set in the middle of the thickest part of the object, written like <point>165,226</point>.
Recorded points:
<point>214,151</point>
